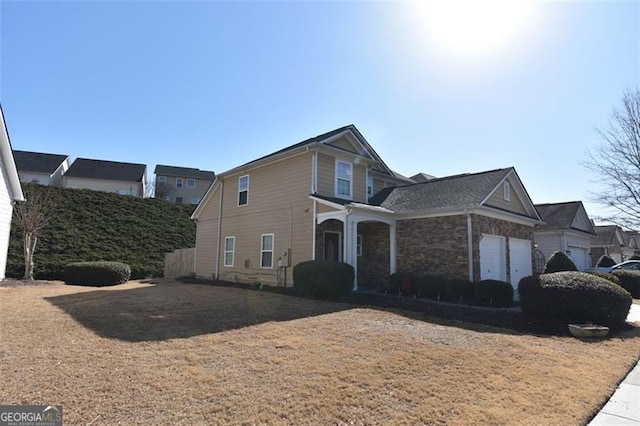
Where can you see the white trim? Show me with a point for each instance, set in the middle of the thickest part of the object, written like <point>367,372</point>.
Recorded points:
<point>181,185</point>
<point>481,211</point>
<point>162,179</point>
<point>243,190</point>
<point>232,251</point>
<point>192,180</point>
<point>219,229</point>
<point>368,178</point>
<point>359,245</point>
<point>212,188</point>
<point>262,250</point>
<point>9,162</point>
<point>313,230</point>
<point>338,178</point>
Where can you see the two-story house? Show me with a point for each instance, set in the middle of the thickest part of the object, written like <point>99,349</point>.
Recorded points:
<point>332,197</point>
<point>107,176</point>
<point>40,167</point>
<point>182,184</point>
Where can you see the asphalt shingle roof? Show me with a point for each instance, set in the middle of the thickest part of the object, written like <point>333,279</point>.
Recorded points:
<point>466,190</point>
<point>558,216</point>
<point>184,172</point>
<point>38,162</point>
<point>605,235</point>
<point>109,170</point>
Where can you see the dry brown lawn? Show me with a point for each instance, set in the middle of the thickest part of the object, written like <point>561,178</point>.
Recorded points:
<point>176,353</point>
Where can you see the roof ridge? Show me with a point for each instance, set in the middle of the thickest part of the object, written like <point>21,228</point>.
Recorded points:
<point>440,179</point>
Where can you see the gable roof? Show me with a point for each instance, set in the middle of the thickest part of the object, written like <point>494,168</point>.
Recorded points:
<point>8,163</point>
<point>38,162</point>
<point>606,234</point>
<point>463,191</point>
<point>187,172</point>
<point>559,216</point>
<point>108,170</point>
<point>422,177</point>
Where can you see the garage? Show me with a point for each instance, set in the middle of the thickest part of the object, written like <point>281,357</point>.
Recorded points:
<point>492,258</point>
<point>580,257</point>
<point>520,262</point>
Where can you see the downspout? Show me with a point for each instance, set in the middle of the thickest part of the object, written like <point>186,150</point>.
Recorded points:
<point>314,174</point>
<point>220,231</point>
<point>470,245</point>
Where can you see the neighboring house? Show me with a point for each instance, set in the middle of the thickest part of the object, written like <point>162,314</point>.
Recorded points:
<point>310,201</point>
<point>10,192</point>
<point>422,177</point>
<point>182,184</point>
<point>107,176</point>
<point>609,241</point>
<point>631,244</point>
<point>566,228</point>
<point>42,168</point>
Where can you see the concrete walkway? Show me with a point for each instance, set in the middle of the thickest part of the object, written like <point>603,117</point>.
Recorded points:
<point>623,408</point>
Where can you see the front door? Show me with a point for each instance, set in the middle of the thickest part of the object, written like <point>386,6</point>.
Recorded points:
<point>332,246</point>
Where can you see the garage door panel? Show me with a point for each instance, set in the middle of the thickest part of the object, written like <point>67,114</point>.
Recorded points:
<point>492,258</point>
<point>519,262</point>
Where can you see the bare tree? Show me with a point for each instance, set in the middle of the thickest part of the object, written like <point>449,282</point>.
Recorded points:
<point>162,189</point>
<point>617,162</point>
<point>32,216</point>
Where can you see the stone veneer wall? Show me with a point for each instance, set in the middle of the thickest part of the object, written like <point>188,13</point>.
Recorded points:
<point>329,225</point>
<point>373,265</point>
<point>433,246</point>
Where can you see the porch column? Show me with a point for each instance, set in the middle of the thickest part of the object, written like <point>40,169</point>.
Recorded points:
<point>392,249</point>
<point>353,249</point>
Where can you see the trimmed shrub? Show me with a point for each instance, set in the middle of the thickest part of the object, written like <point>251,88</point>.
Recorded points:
<point>323,278</point>
<point>431,287</point>
<point>605,261</point>
<point>606,276</point>
<point>629,280</point>
<point>459,288</point>
<point>401,283</point>
<point>574,297</point>
<point>97,274</point>
<point>559,262</point>
<point>494,292</point>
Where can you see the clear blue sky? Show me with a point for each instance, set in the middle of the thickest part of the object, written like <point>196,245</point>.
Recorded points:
<point>214,84</point>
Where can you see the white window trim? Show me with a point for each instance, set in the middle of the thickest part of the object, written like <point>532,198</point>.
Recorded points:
<point>359,245</point>
<point>195,201</point>
<point>191,180</point>
<point>232,251</point>
<point>181,184</point>
<point>240,191</point>
<point>369,185</point>
<point>506,190</point>
<point>262,250</point>
<point>162,179</point>
<point>350,196</point>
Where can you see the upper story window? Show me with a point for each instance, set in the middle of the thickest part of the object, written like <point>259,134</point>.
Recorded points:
<point>344,179</point>
<point>229,249</point>
<point>162,179</point>
<point>179,183</point>
<point>191,183</point>
<point>369,186</point>
<point>243,190</point>
<point>506,191</point>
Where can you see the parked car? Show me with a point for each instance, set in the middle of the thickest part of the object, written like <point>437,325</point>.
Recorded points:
<point>629,265</point>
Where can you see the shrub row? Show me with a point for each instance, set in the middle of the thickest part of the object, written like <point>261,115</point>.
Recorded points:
<point>439,287</point>
<point>574,297</point>
<point>97,274</point>
<point>629,280</point>
<point>323,278</point>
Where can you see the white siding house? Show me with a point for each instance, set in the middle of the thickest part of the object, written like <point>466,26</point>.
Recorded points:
<point>10,192</point>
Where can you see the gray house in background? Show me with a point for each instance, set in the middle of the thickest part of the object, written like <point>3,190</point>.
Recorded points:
<point>610,241</point>
<point>182,184</point>
<point>566,228</point>
<point>40,167</point>
<point>107,176</point>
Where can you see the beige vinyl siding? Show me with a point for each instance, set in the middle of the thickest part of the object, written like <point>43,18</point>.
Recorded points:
<point>514,205</point>
<point>343,143</point>
<point>327,176</point>
<point>131,188</point>
<point>278,204</point>
<point>186,193</point>
<point>322,208</point>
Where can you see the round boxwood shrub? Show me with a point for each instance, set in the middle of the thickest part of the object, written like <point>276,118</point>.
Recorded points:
<point>97,274</point>
<point>629,280</point>
<point>574,297</point>
<point>431,286</point>
<point>323,278</point>
<point>494,293</point>
<point>606,276</point>
<point>605,261</point>
<point>559,262</point>
<point>457,289</point>
<point>401,283</point>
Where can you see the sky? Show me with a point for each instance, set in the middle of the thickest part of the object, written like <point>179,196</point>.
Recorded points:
<point>212,85</point>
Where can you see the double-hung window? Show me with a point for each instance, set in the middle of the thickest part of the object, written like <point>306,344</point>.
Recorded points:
<point>506,191</point>
<point>178,182</point>
<point>266,251</point>
<point>229,248</point>
<point>243,190</point>
<point>191,183</point>
<point>369,186</point>
<point>344,182</point>
<point>162,179</point>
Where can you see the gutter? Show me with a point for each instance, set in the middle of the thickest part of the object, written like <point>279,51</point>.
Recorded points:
<point>220,231</point>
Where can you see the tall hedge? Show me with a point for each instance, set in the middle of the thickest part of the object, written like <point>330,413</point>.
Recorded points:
<point>323,278</point>
<point>629,280</point>
<point>605,261</point>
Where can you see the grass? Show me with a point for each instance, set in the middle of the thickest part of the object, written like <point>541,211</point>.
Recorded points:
<point>195,354</point>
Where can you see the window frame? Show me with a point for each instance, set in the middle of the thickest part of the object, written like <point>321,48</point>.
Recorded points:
<point>359,245</point>
<point>231,238</point>
<point>195,200</point>
<point>263,251</point>
<point>369,186</point>
<point>179,183</point>
<point>506,190</point>
<point>191,180</point>
<point>162,179</point>
<point>179,200</point>
<point>240,190</point>
<point>338,179</point>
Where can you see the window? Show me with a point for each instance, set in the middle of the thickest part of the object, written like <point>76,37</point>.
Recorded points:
<point>191,183</point>
<point>178,200</point>
<point>162,179</point>
<point>369,186</point>
<point>343,179</point>
<point>243,190</point>
<point>229,247</point>
<point>506,191</point>
<point>195,201</point>
<point>178,182</point>
<point>359,245</point>
<point>266,251</point>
